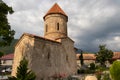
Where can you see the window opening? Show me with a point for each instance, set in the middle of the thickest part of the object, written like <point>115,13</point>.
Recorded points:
<point>66,57</point>
<point>57,26</point>
<point>48,55</point>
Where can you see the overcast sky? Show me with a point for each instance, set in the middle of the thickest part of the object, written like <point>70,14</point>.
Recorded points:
<point>91,22</point>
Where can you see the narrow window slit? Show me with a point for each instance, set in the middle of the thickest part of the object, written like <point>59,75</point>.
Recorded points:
<point>57,26</point>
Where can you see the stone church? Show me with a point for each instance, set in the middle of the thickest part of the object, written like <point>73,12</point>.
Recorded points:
<point>52,54</point>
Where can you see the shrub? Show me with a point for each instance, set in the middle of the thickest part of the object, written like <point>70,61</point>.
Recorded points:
<point>80,71</point>
<point>98,76</point>
<point>106,76</point>
<point>115,70</point>
<point>92,66</point>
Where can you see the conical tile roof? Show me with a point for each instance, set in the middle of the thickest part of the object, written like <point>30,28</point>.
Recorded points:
<point>55,10</point>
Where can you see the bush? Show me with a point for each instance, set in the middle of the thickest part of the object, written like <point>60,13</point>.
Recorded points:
<point>98,76</point>
<point>106,76</point>
<point>92,66</point>
<point>80,71</point>
<point>115,70</point>
<point>101,69</point>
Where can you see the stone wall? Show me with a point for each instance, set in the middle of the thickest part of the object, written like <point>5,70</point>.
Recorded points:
<point>46,58</point>
<point>24,44</point>
<point>50,29</point>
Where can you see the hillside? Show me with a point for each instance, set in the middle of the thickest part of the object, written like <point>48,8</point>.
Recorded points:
<point>9,49</point>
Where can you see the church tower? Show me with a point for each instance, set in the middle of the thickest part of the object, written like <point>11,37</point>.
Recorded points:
<point>55,23</point>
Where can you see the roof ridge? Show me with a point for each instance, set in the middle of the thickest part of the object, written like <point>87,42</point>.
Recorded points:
<point>35,36</point>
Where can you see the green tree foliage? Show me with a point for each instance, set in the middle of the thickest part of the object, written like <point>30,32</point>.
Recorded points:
<point>6,34</point>
<point>92,66</point>
<point>103,55</point>
<point>23,73</point>
<point>9,49</point>
<point>1,54</point>
<point>106,76</point>
<point>115,70</point>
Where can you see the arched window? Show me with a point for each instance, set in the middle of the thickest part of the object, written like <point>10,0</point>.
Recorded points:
<point>57,26</point>
<point>46,27</point>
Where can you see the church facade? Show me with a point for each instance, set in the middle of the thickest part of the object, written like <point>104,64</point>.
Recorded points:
<point>52,54</point>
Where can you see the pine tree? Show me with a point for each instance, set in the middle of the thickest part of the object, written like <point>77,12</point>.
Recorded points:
<point>81,58</point>
<point>23,73</point>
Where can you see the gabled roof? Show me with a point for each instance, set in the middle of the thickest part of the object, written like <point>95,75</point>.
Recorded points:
<point>35,36</point>
<point>116,55</point>
<point>7,57</point>
<point>89,56</point>
<point>55,10</point>
<point>86,56</point>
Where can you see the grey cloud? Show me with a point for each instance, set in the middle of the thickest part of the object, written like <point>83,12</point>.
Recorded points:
<point>91,22</point>
<point>103,20</point>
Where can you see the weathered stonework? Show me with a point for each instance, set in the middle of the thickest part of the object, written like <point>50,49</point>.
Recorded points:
<point>46,57</point>
<point>51,22</point>
<point>49,56</point>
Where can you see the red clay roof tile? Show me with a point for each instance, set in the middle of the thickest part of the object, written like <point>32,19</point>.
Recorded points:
<point>86,56</point>
<point>7,57</point>
<point>116,55</point>
<point>55,10</point>
<point>89,56</point>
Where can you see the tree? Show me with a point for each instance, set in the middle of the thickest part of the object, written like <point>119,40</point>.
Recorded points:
<point>6,34</point>
<point>81,58</point>
<point>103,55</point>
<point>23,73</point>
<point>92,66</point>
<point>1,54</point>
<point>115,70</point>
